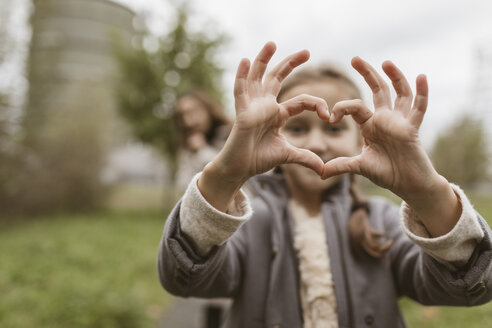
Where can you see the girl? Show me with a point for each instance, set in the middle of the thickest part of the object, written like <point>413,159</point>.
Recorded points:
<point>307,251</point>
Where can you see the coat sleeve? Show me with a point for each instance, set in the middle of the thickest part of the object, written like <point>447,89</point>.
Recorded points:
<point>425,270</point>
<point>202,249</point>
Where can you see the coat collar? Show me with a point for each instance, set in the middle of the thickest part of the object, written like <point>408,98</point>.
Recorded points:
<point>272,186</point>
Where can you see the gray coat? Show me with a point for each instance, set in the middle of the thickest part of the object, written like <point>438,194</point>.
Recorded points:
<point>258,268</point>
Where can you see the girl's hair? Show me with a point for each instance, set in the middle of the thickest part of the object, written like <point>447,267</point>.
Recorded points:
<point>325,72</point>
<point>362,237</point>
<point>214,109</point>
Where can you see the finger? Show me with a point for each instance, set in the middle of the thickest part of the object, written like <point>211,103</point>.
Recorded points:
<point>304,102</point>
<point>261,61</point>
<point>355,107</point>
<point>420,103</point>
<point>404,95</point>
<point>341,165</point>
<point>274,78</point>
<point>380,91</point>
<point>240,85</point>
<point>305,158</point>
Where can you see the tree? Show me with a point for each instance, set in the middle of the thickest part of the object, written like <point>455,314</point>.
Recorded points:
<point>460,153</point>
<point>158,71</point>
<point>58,160</point>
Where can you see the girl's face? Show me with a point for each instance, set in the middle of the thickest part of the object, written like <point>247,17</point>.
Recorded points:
<point>328,141</point>
<point>193,117</point>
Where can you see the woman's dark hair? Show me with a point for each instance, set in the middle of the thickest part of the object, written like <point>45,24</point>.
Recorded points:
<point>214,109</point>
<point>362,237</point>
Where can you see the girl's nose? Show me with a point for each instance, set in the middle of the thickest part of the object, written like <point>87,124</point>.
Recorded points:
<point>316,141</point>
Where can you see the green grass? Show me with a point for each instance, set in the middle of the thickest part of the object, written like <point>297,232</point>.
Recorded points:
<point>82,271</point>
<point>418,316</point>
<point>141,197</point>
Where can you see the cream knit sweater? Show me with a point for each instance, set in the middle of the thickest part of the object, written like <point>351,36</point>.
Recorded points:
<point>317,291</point>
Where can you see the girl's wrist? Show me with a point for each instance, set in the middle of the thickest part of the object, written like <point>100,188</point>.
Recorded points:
<point>221,170</point>
<point>219,187</point>
<point>426,195</point>
<point>437,206</point>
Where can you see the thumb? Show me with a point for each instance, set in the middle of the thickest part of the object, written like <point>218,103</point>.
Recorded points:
<point>341,165</point>
<point>305,158</point>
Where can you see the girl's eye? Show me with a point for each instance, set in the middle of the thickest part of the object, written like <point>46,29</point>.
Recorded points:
<point>296,129</point>
<point>333,129</point>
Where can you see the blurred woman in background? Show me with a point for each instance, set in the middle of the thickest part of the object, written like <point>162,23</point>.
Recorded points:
<point>203,128</point>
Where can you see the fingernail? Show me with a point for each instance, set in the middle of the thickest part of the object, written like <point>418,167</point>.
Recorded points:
<point>332,118</point>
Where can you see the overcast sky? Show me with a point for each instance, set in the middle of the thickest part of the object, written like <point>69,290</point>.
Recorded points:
<point>439,38</point>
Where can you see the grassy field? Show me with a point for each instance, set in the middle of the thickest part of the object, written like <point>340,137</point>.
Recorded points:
<point>98,270</point>
<point>93,270</point>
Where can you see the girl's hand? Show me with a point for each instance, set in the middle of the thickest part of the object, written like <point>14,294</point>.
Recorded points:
<point>392,155</point>
<point>255,145</point>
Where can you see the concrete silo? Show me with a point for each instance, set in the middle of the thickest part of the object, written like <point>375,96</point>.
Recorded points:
<point>70,123</point>
<point>71,58</point>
